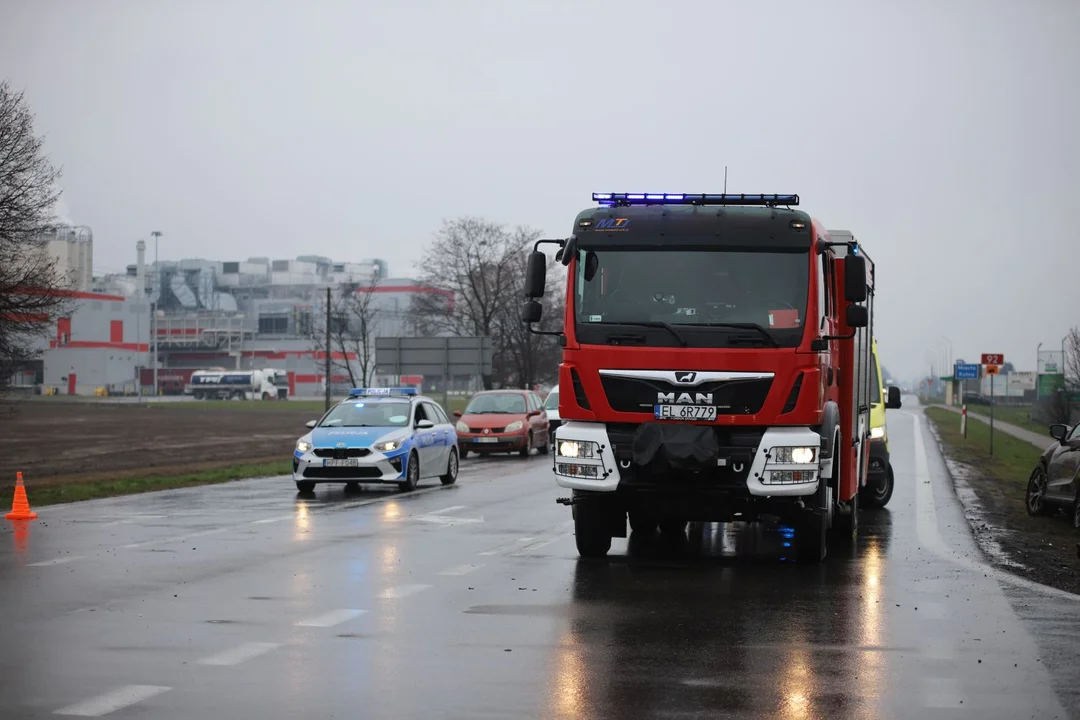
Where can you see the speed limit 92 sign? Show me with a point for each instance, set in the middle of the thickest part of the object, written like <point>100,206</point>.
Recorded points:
<point>993,359</point>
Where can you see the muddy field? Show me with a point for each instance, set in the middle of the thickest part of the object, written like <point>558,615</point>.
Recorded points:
<point>61,442</point>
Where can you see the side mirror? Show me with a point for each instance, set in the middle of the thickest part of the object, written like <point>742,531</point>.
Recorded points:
<point>311,424</point>
<point>892,402</point>
<point>457,413</point>
<point>855,279</point>
<point>857,316</point>
<point>1058,431</point>
<point>535,275</point>
<point>424,425</point>
<point>531,312</point>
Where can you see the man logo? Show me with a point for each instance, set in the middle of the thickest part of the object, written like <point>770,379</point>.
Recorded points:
<point>685,377</point>
<point>341,444</point>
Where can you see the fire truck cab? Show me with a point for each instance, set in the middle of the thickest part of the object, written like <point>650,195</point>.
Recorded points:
<point>715,367</point>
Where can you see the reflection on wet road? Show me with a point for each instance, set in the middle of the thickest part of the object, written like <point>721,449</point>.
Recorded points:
<point>244,600</point>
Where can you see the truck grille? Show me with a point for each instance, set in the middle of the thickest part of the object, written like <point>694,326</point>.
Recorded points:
<point>733,397</point>
<point>341,453</point>
<point>737,447</point>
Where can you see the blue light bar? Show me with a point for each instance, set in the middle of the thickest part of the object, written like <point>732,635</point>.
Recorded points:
<point>368,392</point>
<point>625,199</point>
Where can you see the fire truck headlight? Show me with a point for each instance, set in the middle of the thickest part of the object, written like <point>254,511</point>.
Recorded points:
<point>877,433</point>
<point>794,455</point>
<point>577,449</point>
<point>303,445</point>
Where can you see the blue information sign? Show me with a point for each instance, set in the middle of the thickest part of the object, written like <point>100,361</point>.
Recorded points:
<point>966,372</point>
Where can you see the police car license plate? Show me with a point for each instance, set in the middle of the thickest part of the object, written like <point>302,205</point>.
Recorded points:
<point>485,440</point>
<point>684,412</point>
<point>346,462</point>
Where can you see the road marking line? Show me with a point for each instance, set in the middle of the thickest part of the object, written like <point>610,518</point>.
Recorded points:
<point>927,530</point>
<point>57,561</point>
<point>113,701</point>
<point>175,538</point>
<point>401,591</point>
<point>507,546</point>
<point>537,545</point>
<point>332,618</point>
<point>942,693</point>
<point>239,654</point>
<point>446,521</point>
<point>278,518</point>
<point>452,508</point>
<point>460,570</point>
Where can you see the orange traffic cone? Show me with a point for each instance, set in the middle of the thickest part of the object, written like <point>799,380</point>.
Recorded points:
<point>20,506</point>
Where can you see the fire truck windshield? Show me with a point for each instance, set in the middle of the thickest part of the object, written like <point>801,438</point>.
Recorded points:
<point>713,297</point>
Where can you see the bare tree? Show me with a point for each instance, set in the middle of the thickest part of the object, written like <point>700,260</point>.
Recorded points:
<point>354,319</point>
<point>474,261</point>
<point>528,358</point>
<point>1071,361</point>
<point>32,290</point>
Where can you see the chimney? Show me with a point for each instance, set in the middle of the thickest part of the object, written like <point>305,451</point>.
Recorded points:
<point>140,271</point>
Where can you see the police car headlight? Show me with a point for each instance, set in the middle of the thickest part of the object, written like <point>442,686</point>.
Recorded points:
<point>515,426</point>
<point>462,427</point>
<point>794,455</point>
<point>303,445</point>
<point>388,445</point>
<point>877,433</point>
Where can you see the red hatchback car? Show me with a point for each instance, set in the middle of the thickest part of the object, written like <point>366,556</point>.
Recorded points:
<point>502,421</point>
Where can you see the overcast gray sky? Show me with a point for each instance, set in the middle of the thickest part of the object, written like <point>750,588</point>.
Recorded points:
<point>943,133</point>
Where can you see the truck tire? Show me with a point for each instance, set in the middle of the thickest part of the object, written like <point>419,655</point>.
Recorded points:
<point>591,532</point>
<point>812,529</point>
<point>879,494</point>
<point>673,527</point>
<point>846,524</point>
<point>642,523</point>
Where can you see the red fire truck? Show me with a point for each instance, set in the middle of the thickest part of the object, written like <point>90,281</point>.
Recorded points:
<point>715,367</point>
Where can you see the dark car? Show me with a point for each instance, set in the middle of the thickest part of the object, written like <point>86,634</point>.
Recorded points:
<point>1055,481</point>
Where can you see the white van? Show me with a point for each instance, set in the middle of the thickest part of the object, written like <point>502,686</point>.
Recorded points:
<point>551,404</point>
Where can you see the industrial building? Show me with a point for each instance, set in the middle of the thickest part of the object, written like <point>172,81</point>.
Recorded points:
<point>195,314</point>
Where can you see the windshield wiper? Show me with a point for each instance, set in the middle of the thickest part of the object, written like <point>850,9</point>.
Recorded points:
<point>654,324</point>
<point>743,326</point>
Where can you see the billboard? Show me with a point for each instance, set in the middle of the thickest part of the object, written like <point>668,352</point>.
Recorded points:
<point>1051,362</point>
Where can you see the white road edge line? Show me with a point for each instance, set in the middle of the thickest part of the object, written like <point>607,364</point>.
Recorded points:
<point>927,529</point>
<point>174,538</point>
<point>112,701</point>
<point>460,570</point>
<point>452,508</point>
<point>507,546</point>
<point>332,618</point>
<point>57,561</point>
<point>239,654</point>
<point>401,591</point>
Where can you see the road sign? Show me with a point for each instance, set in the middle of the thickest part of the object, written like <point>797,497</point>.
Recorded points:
<point>966,372</point>
<point>442,356</point>
<point>993,359</point>
<point>993,369</point>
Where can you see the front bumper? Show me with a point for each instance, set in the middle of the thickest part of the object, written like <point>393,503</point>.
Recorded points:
<point>745,469</point>
<point>371,468</point>
<point>495,442</point>
<point>879,460</point>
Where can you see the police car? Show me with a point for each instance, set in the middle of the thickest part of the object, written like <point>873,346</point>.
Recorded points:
<point>378,435</point>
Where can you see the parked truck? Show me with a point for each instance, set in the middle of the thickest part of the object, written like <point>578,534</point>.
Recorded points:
<point>715,367</point>
<point>267,384</point>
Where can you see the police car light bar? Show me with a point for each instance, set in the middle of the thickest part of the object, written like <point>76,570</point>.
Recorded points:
<point>367,392</point>
<point>625,199</point>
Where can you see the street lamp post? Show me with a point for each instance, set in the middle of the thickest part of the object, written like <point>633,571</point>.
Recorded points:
<point>157,289</point>
<point>1038,348</point>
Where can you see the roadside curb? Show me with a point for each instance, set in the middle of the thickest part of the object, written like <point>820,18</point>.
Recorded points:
<point>984,536</point>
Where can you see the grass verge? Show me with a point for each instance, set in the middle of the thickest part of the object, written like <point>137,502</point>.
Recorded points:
<point>55,491</point>
<point>1042,549</point>
<point>1018,415</point>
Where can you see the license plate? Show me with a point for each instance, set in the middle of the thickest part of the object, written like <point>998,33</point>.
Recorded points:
<point>485,440</point>
<point>347,462</point>
<point>684,412</point>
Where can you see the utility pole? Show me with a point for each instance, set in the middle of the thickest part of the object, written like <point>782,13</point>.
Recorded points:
<point>157,289</point>
<point>328,348</point>
<point>725,179</point>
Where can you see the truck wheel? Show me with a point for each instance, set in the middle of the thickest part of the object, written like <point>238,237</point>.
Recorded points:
<point>879,494</point>
<point>812,530</point>
<point>642,523</point>
<point>846,524</point>
<point>305,486</point>
<point>591,532</point>
<point>673,527</point>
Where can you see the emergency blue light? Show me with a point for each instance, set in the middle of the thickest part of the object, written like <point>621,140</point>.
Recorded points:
<point>626,199</point>
<point>367,392</point>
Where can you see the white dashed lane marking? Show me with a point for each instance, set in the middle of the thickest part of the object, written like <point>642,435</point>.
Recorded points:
<point>332,618</point>
<point>239,654</point>
<point>112,701</point>
<point>401,591</point>
<point>57,561</point>
<point>460,570</point>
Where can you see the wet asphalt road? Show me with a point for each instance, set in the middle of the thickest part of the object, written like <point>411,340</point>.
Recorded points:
<point>245,601</point>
